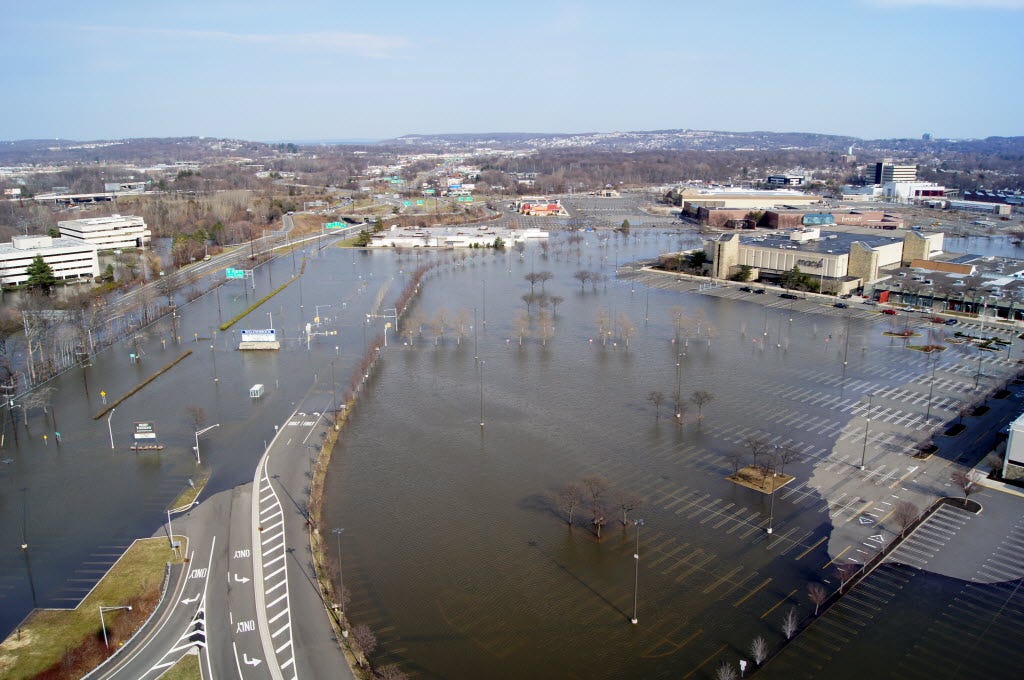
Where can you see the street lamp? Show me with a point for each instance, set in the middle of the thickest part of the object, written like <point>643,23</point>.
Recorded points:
<point>338,531</point>
<point>636,570</point>
<point>867,424</point>
<point>271,315</point>
<point>103,624</point>
<point>481,394</point>
<point>110,430</point>
<point>202,431</point>
<point>771,505</point>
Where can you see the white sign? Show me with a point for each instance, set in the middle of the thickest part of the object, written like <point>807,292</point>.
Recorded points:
<point>144,431</point>
<point>268,335</point>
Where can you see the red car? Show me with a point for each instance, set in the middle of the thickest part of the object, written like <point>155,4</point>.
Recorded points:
<point>890,312</point>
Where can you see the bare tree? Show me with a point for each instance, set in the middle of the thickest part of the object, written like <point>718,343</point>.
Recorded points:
<point>411,328</point>
<point>626,329</point>
<point>790,623</point>
<point>656,398</point>
<point>905,513</point>
<point>966,481</point>
<point>439,324</point>
<point>545,327</point>
<point>555,301</point>
<point>391,672</point>
<point>817,594</point>
<point>461,325</point>
<point>725,672</point>
<point>626,503</point>
<point>528,299</point>
<point>582,276</point>
<point>596,487</point>
<point>365,639</point>
<point>783,455</point>
<point>533,278</point>
<point>845,572</point>
<point>522,323</point>
<point>544,277</point>
<point>604,325</point>
<point>568,498</point>
<point>700,399</point>
<point>759,449</point>
<point>759,650</point>
<point>735,459</point>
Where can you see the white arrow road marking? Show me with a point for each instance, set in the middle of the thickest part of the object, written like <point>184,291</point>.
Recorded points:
<point>189,600</point>
<point>251,662</point>
<point>241,579</point>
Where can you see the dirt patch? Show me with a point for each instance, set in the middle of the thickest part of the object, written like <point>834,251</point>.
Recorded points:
<point>754,478</point>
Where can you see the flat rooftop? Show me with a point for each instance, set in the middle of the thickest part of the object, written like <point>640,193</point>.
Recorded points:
<point>836,241</point>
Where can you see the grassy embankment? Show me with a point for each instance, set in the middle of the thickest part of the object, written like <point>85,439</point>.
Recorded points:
<point>67,643</point>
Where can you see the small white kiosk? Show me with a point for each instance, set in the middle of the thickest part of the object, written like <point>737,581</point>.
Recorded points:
<point>256,391</point>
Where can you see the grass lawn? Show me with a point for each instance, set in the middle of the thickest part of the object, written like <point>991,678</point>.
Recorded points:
<point>187,668</point>
<point>189,494</point>
<point>48,634</point>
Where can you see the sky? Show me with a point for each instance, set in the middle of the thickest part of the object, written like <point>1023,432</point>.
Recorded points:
<point>339,69</point>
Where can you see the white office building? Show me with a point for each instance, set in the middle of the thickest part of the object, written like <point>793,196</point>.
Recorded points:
<point>116,231</point>
<point>69,259</point>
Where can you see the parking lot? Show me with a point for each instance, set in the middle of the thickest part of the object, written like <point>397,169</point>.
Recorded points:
<point>947,603</point>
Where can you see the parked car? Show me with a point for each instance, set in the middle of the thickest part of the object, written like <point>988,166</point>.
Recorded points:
<point>950,322</point>
<point>746,289</point>
<point>846,296</point>
<point>870,302</point>
<point>759,291</point>
<point>789,296</point>
<point>890,312</point>
<point>841,305</point>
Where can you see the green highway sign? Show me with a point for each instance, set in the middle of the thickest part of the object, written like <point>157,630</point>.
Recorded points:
<point>465,199</point>
<point>428,192</point>
<point>234,273</point>
<point>406,203</point>
<point>420,202</point>
<point>335,225</point>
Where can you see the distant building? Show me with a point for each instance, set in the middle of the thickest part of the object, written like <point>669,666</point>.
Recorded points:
<point>887,171</point>
<point>69,259</point>
<point>116,231</point>
<point>451,237</point>
<point>125,187</point>
<point>913,192</point>
<point>786,180</point>
<point>540,206</point>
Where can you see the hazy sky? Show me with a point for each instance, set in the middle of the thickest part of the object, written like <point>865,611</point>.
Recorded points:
<point>336,69</point>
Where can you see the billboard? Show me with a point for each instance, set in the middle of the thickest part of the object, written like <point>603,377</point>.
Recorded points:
<point>267,335</point>
<point>144,431</point>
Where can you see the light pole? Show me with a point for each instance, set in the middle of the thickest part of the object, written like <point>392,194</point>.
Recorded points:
<point>110,430</point>
<point>213,355</point>
<point>202,431</point>
<point>771,505</point>
<point>271,315</point>
<point>636,568</point>
<point>867,424</point>
<point>338,531</point>
<point>481,394</point>
<point>103,624</point>
<point>931,388</point>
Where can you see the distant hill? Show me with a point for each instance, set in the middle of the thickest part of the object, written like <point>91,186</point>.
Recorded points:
<point>710,140</point>
<point>209,149</point>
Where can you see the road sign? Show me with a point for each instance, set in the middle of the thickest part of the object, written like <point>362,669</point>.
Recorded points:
<point>144,431</point>
<point>234,273</point>
<point>419,202</point>
<point>335,225</point>
<point>428,192</point>
<point>407,203</point>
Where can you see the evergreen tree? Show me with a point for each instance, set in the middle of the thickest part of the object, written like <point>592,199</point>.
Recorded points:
<point>40,275</point>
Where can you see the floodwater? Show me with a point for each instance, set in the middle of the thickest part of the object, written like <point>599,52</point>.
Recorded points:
<point>77,505</point>
<point>455,553</point>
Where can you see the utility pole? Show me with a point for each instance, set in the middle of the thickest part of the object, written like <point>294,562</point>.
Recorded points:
<point>636,570</point>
